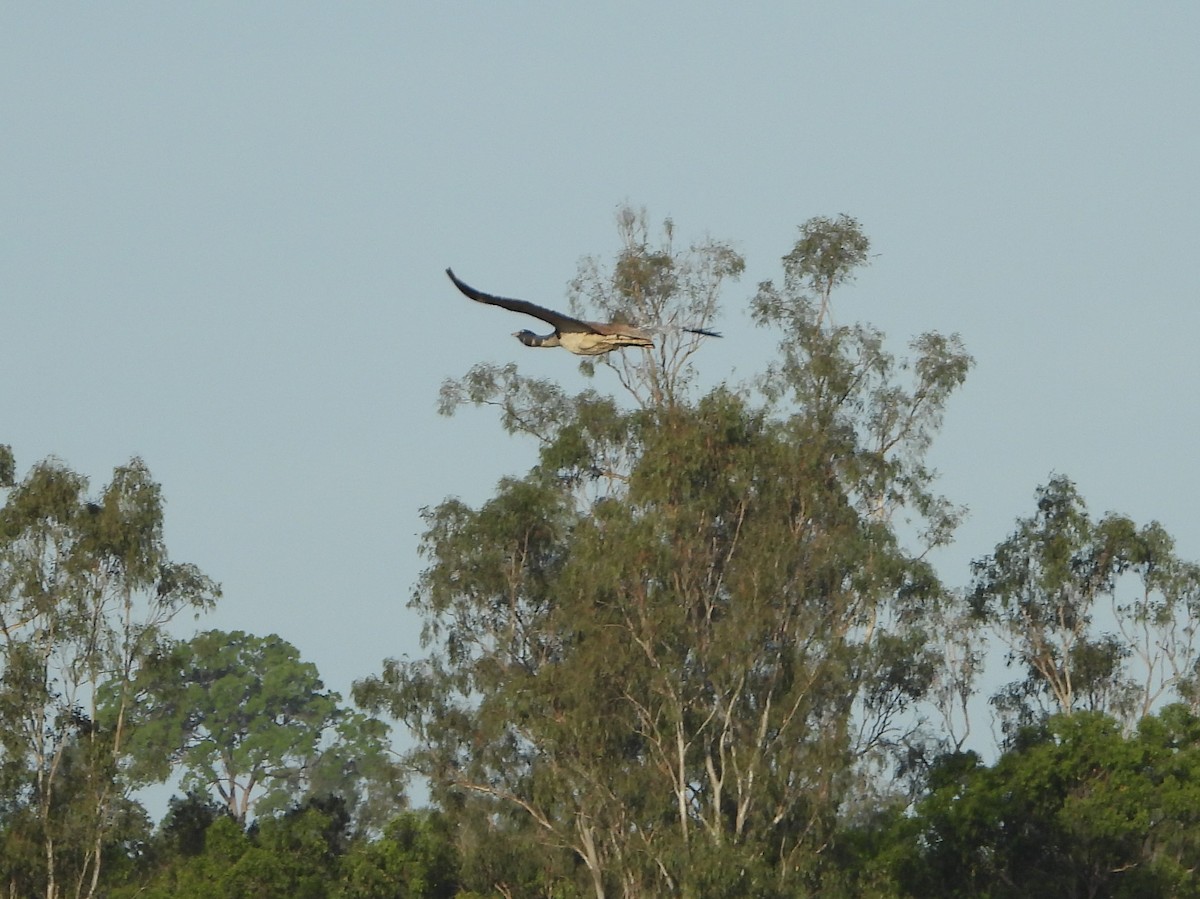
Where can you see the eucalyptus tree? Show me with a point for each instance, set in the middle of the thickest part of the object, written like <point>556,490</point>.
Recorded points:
<point>86,592</point>
<point>670,650</point>
<point>1099,614</point>
<point>656,284</point>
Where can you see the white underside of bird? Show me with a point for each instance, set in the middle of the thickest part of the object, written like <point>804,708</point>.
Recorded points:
<point>582,344</point>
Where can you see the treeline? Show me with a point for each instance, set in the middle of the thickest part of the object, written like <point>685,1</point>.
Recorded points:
<point>697,650</point>
<point>98,700</point>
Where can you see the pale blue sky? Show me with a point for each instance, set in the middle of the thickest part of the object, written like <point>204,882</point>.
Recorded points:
<point>224,227</point>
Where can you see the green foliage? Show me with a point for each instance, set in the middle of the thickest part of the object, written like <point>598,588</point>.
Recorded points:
<point>827,255</point>
<point>692,652</point>
<point>356,766</point>
<point>245,716</point>
<point>8,466</point>
<point>1077,809</point>
<point>658,661</point>
<point>415,857</point>
<point>663,289</point>
<point>86,592</point>
<point>96,699</point>
<point>528,406</point>
<point>306,851</point>
<point>182,830</point>
<point>1048,588</point>
<point>287,857</point>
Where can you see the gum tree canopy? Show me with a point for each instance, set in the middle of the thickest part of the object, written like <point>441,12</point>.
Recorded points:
<point>655,660</point>
<point>87,590</point>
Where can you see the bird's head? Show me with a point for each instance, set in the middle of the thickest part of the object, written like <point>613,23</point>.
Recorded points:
<point>526,337</point>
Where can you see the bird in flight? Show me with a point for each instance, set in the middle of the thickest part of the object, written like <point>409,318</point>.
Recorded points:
<point>579,337</point>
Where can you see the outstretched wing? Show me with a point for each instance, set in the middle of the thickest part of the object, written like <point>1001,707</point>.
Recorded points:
<point>557,319</point>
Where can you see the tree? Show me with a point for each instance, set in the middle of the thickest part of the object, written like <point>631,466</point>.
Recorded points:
<point>246,718</point>
<point>660,659</point>
<point>86,592</point>
<point>1074,809</point>
<point>414,857</point>
<point>659,287</point>
<point>294,855</point>
<point>307,850</point>
<point>357,766</point>
<point>1050,590</point>
<point>182,830</point>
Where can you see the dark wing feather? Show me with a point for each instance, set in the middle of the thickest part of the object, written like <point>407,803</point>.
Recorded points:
<point>617,329</point>
<point>557,319</point>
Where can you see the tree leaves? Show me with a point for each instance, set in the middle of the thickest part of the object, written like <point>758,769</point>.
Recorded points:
<point>245,717</point>
<point>1075,809</point>
<point>692,661</point>
<point>86,592</point>
<point>1056,592</point>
